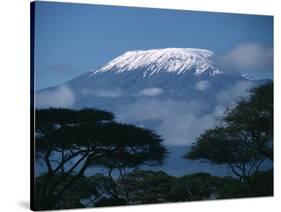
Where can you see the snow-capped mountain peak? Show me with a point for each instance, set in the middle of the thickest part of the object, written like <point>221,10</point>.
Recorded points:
<point>178,60</point>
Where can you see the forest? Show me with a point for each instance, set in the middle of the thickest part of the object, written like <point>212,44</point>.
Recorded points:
<point>70,142</point>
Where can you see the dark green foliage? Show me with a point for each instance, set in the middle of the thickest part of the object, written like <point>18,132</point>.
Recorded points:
<point>147,187</point>
<point>68,142</point>
<point>133,146</point>
<point>244,138</point>
<point>221,146</point>
<point>263,181</point>
<point>110,202</point>
<point>71,199</point>
<point>144,187</point>
<point>198,186</point>
<point>254,118</point>
<point>64,116</point>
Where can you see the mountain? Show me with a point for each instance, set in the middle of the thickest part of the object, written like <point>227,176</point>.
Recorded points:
<point>177,74</point>
<point>177,92</point>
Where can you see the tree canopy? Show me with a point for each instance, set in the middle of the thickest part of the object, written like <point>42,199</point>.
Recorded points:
<point>243,139</point>
<point>68,142</point>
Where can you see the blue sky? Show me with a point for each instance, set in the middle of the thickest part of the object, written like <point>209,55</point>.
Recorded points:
<point>71,39</point>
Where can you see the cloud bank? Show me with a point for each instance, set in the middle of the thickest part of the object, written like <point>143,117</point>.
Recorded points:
<point>180,122</point>
<point>58,97</point>
<point>239,90</point>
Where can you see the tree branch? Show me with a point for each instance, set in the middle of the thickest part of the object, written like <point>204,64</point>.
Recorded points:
<point>80,174</point>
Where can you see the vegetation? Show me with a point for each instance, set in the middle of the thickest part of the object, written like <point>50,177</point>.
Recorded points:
<point>244,138</point>
<point>71,142</point>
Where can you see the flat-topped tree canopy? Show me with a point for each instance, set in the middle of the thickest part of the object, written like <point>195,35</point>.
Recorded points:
<point>68,142</point>
<point>64,116</point>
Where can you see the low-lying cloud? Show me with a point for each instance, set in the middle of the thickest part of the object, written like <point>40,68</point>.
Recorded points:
<point>180,122</point>
<point>58,97</point>
<point>233,93</point>
<point>202,85</point>
<point>151,92</point>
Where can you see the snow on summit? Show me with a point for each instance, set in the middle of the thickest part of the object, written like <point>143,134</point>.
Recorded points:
<point>178,60</point>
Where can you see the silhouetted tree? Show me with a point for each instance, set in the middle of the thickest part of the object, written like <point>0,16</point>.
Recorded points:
<point>134,147</point>
<point>144,186</point>
<point>236,189</point>
<point>198,186</point>
<point>243,140</point>
<point>71,141</point>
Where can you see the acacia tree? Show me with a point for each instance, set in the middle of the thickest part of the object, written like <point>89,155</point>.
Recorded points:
<point>244,138</point>
<point>146,186</point>
<point>135,147</point>
<point>71,141</point>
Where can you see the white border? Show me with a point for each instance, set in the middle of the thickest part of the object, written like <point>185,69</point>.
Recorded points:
<point>14,88</point>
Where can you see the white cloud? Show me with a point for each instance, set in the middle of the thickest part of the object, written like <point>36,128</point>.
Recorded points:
<point>151,92</point>
<point>58,97</point>
<point>248,57</point>
<point>233,93</point>
<point>202,85</point>
<point>185,128</point>
<point>219,110</point>
<point>181,122</point>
